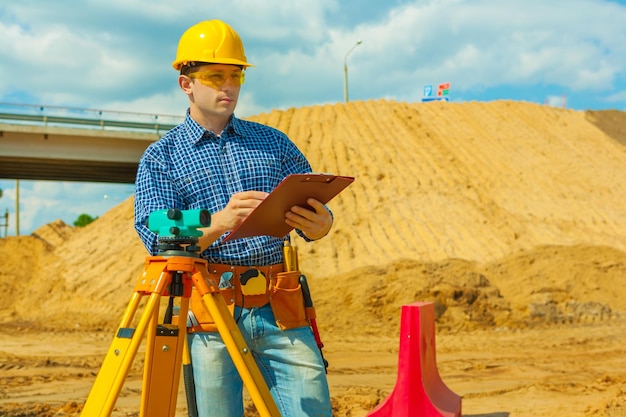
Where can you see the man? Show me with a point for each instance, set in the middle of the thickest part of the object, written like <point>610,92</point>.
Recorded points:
<point>216,161</point>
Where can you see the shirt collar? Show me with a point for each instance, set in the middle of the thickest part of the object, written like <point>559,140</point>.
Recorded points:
<point>195,132</point>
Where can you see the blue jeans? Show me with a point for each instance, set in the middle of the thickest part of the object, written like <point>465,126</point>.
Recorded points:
<point>289,360</point>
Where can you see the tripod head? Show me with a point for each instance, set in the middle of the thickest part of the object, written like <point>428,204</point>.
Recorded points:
<point>177,230</point>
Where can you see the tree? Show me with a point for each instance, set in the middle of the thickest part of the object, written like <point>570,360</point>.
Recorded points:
<point>83,220</point>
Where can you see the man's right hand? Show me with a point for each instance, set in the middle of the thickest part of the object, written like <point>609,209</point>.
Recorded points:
<point>238,208</point>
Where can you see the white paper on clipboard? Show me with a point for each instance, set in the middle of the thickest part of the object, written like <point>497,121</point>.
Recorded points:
<point>268,218</point>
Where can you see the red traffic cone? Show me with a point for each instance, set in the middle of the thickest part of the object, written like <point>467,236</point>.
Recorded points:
<point>419,390</point>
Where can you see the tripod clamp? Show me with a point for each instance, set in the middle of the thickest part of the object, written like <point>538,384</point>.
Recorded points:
<point>178,246</point>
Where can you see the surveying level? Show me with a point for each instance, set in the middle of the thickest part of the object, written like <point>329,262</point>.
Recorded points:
<point>173,272</point>
<point>168,224</point>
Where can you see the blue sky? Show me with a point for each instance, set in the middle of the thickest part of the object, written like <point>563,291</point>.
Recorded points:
<point>116,55</point>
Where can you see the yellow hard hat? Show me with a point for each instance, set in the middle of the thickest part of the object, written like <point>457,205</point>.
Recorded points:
<point>210,41</point>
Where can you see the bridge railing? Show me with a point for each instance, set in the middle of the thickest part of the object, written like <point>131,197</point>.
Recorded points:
<point>86,118</point>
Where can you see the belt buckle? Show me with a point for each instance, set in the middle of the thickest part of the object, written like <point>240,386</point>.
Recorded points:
<point>253,282</point>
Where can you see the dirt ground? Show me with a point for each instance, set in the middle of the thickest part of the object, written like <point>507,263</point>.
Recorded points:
<point>507,216</point>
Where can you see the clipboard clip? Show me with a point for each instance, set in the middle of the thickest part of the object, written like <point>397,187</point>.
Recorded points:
<point>324,178</point>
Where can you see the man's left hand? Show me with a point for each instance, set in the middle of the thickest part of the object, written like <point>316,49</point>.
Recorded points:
<point>315,224</point>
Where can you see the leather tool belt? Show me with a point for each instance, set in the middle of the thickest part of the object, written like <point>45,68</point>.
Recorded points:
<point>233,290</point>
<point>253,287</point>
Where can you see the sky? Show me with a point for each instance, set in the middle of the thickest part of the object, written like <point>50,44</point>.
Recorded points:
<point>116,55</point>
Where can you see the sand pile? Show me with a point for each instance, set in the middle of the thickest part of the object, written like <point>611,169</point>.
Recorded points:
<point>488,208</point>
<point>507,215</point>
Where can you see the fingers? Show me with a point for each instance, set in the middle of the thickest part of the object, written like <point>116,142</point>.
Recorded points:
<point>238,208</point>
<point>315,223</point>
<point>249,197</point>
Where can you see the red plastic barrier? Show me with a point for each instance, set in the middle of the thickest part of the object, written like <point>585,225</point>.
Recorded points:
<point>419,390</point>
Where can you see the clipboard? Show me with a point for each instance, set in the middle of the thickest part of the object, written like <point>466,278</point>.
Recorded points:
<point>268,218</point>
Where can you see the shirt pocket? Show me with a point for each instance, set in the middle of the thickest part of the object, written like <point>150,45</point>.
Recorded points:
<point>261,172</point>
<point>195,187</point>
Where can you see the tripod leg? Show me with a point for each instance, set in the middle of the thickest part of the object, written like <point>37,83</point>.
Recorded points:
<point>190,386</point>
<point>163,364</point>
<point>252,378</point>
<point>119,358</point>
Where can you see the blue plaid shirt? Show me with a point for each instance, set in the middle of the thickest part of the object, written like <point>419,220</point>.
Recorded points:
<point>192,168</point>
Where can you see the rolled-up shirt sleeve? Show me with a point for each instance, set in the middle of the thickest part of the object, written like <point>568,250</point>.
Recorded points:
<point>153,191</point>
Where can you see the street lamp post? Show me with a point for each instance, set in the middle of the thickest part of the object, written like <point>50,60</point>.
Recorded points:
<point>345,71</point>
<point>17,207</point>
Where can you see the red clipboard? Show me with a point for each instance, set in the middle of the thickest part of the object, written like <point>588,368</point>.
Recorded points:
<point>268,218</point>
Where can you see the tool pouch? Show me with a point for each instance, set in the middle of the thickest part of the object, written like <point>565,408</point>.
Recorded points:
<point>287,301</point>
<point>201,320</point>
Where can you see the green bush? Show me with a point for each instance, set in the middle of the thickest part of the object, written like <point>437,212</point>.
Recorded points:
<point>83,220</point>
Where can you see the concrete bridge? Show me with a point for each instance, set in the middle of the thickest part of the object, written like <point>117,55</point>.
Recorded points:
<point>70,144</point>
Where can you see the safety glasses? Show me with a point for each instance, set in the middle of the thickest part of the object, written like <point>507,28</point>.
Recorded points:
<point>216,79</point>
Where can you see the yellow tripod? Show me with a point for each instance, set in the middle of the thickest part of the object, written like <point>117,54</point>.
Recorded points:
<point>173,272</point>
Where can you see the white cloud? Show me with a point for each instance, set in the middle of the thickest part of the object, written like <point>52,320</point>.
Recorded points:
<point>168,102</point>
<point>117,54</point>
<point>280,20</point>
<point>477,44</point>
<point>617,97</point>
<point>556,101</point>
<point>82,59</point>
